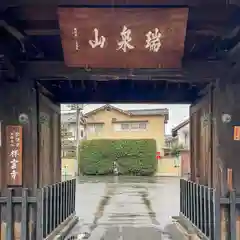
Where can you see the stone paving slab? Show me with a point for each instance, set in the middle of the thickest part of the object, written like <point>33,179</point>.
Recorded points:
<point>140,208</point>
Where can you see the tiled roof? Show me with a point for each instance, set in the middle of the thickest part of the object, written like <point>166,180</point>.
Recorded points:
<point>163,111</point>
<point>135,112</point>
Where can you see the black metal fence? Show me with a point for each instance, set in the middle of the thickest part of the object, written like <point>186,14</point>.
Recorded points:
<point>202,206</point>
<point>37,216</point>
<point>57,205</point>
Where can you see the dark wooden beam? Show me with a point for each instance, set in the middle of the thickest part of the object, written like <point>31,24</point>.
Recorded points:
<point>234,74</point>
<point>7,69</point>
<point>49,28</point>
<point>234,2</point>
<point>25,46</point>
<point>14,32</point>
<point>116,2</point>
<point>49,13</point>
<point>234,53</point>
<point>42,32</point>
<point>123,91</point>
<point>191,72</point>
<point>43,19</point>
<point>232,34</point>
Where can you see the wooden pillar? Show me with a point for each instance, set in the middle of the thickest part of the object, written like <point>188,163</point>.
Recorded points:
<point>227,116</point>
<point>225,218</point>
<point>16,99</point>
<point>18,108</point>
<point>21,105</point>
<point>225,212</point>
<point>221,149</point>
<point>41,133</point>
<point>49,144</point>
<point>201,141</point>
<point>214,148</point>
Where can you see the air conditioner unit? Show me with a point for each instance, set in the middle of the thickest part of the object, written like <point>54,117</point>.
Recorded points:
<point>114,119</point>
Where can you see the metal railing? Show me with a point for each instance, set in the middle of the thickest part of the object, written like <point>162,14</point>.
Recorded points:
<point>58,203</point>
<point>202,206</point>
<point>38,216</point>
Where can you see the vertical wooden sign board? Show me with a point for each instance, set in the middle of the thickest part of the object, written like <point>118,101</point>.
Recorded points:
<point>236,133</point>
<point>14,155</point>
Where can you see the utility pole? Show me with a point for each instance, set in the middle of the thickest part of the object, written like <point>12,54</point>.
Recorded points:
<point>78,113</point>
<point>78,108</point>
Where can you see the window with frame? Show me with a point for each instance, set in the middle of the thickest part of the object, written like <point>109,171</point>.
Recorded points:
<point>95,128</point>
<point>142,125</point>
<point>125,126</point>
<point>135,126</point>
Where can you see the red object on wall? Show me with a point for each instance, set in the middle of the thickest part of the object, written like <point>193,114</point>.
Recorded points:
<point>158,156</point>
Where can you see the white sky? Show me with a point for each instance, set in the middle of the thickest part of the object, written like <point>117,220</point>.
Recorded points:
<point>177,112</point>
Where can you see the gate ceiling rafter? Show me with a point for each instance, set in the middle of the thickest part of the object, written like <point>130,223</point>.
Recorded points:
<point>211,47</point>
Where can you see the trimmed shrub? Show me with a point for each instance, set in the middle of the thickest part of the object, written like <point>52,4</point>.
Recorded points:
<point>134,157</point>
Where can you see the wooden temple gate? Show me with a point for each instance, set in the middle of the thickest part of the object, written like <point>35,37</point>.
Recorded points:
<point>168,51</point>
<point>30,166</point>
<point>214,186</point>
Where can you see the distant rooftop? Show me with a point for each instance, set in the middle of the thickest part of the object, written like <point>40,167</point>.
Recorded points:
<point>70,116</point>
<point>135,112</point>
<point>163,111</point>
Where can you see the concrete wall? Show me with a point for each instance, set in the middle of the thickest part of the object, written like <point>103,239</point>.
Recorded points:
<point>168,166</point>
<point>69,165</point>
<point>172,166</point>
<point>155,127</point>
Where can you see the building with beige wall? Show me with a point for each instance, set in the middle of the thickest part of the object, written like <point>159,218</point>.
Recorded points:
<point>181,134</point>
<point>109,122</point>
<point>170,165</point>
<point>69,133</point>
<point>69,140</point>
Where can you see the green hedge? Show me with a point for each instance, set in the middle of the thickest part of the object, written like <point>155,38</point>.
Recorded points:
<point>134,157</point>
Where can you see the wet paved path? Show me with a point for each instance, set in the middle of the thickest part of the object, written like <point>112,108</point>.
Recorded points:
<point>127,208</point>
